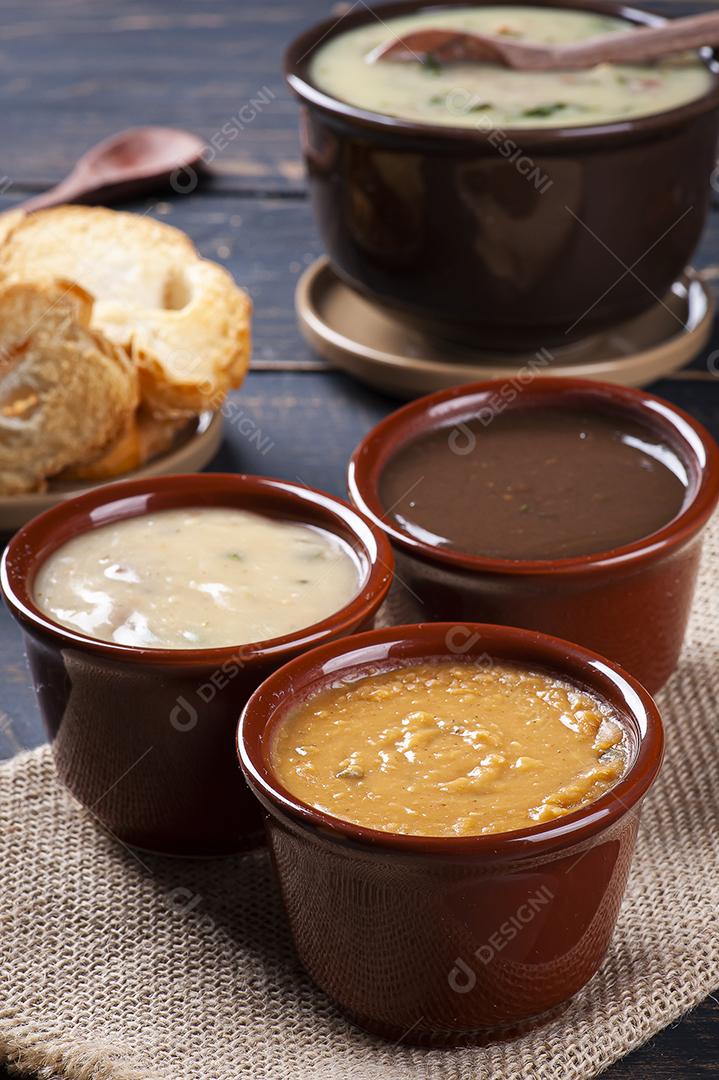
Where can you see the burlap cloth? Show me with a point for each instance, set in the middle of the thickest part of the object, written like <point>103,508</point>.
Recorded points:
<point>125,967</point>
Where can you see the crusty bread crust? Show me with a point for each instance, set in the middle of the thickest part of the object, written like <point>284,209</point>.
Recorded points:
<point>144,438</point>
<point>188,358</point>
<point>9,220</point>
<point>181,318</point>
<point>109,253</point>
<point>65,390</point>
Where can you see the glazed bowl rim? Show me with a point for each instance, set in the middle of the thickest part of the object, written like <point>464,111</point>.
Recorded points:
<point>304,44</point>
<point>364,493</point>
<point>562,657</point>
<point>18,566</point>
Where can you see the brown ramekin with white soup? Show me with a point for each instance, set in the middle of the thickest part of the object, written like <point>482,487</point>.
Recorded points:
<point>151,609</point>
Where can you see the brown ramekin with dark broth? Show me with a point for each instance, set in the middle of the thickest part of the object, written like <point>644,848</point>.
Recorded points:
<point>142,734</point>
<point>515,235</point>
<point>567,506</point>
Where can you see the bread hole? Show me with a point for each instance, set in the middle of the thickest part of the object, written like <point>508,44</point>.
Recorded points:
<point>176,293</point>
<point>20,404</point>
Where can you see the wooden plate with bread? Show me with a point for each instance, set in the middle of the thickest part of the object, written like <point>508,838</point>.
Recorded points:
<point>192,447</point>
<point>118,344</point>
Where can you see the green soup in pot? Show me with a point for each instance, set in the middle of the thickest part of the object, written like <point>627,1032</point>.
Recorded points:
<point>489,96</point>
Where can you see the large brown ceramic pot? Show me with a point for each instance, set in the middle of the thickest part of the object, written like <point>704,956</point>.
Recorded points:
<point>516,239</point>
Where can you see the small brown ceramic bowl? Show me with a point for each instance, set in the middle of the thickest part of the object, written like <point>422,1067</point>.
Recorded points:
<point>451,939</point>
<point>514,239</point>
<point>144,738</point>
<point>630,604</point>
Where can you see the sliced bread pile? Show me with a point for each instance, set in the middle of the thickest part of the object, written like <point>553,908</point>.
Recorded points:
<point>113,332</point>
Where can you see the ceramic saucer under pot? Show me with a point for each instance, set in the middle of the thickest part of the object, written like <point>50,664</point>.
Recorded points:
<point>368,342</point>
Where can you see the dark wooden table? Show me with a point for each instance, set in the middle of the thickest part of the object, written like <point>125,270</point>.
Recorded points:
<point>74,71</point>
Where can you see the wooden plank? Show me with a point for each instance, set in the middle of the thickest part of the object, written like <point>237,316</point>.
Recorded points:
<point>314,420</point>
<point>85,70</point>
<point>300,428</point>
<point>267,243</point>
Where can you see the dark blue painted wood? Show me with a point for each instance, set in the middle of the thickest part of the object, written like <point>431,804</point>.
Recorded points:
<point>297,426</point>
<point>72,73</point>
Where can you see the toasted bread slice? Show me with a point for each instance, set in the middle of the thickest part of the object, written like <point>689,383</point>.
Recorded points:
<point>188,357</point>
<point>110,254</point>
<point>182,318</point>
<point>65,391</point>
<point>144,438</point>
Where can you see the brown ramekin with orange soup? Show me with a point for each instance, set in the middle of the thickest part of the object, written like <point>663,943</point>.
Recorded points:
<point>566,506</point>
<point>151,609</point>
<point>452,810</point>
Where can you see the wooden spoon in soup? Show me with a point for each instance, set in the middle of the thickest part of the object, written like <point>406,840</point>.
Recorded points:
<point>447,46</point>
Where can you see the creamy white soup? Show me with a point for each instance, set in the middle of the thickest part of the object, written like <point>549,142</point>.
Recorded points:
<point>490,96</point>
<point>196,578</point>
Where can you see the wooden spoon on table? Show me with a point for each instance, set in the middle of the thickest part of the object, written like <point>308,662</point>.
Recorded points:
<point>635,46</point>
<point>127,164</point>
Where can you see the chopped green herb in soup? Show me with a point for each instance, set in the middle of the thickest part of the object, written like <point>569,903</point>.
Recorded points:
<point>487,95</point>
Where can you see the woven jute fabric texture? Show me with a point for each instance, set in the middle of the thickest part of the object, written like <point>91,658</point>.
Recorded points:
<point>118,966</point>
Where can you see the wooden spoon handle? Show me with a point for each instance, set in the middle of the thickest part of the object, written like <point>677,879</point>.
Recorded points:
<point>633,46</point>
<point>675,36</point>
<point>67,191</point>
